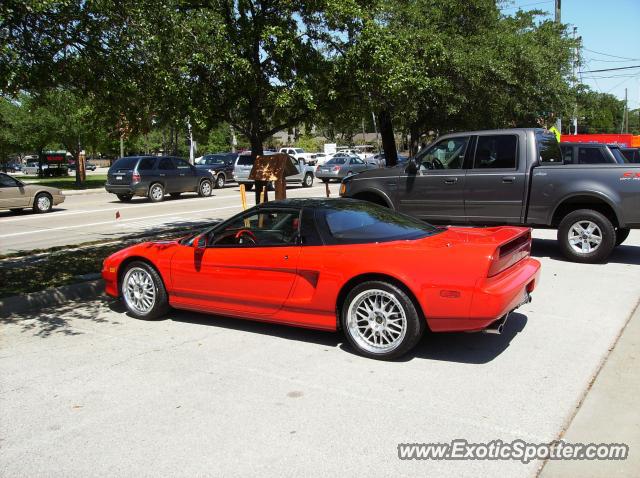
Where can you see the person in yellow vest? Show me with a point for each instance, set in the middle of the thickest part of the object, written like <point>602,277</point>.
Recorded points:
<point>555,131</point>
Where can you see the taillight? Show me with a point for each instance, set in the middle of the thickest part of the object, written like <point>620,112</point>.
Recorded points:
<point>510,253</point>
<point>135,177</point>
<point>336,168</point>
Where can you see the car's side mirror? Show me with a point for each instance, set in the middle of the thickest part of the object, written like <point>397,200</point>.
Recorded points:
<point>412,167</point>
<point>201,242</point>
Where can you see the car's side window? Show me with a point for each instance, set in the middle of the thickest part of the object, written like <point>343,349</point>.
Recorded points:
<point>357,161</point>
<point>264,228</point>
<point>591,156</point>
<point>446,154</point>
<point>496,152</point>
<point>181,164</point>
<point>567,154</point>
<point>8,182</point>
<point>146,164</point>
<point>166,164</point>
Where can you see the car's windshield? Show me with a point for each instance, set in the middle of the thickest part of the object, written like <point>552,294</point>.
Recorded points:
<point>357,222</point>
<point>299,150</point>
<point>337,161</point>
<point>209,160</point>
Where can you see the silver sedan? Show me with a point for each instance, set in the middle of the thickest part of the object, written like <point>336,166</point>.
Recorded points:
<point>341,166</point>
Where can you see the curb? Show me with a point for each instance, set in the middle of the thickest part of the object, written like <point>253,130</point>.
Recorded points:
<point>79,192</point>
<point>51,297</point>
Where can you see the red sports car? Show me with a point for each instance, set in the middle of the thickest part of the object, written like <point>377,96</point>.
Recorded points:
<point>378,275</point>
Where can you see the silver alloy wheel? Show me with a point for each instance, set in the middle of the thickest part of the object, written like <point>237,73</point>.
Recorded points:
<point>44,203</point>
<point>156,192</point>
<point>220,181</point>
<point>377,321</point>
<point>585,237</point>
<point>138,290</point>
<point>308,180</point>
<point>205,187</point>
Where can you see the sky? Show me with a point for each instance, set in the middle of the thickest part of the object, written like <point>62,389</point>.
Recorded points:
<point>610,32</point>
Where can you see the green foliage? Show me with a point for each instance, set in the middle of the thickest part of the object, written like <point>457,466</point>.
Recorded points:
<point>597,112</point>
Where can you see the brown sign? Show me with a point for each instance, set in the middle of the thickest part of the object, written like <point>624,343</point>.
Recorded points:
<point>273,167</point>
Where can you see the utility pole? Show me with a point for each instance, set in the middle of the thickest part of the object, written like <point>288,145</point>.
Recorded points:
<point>558,21</point>
<point>625,115</point>
<point>574,120</point>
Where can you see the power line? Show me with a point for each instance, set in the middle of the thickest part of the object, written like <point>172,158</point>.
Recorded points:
<point>612,56</point>
<point>611,69</point>
<point>528,5</point>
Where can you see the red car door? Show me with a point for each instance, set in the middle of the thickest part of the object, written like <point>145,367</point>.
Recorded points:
<point>249,266</point>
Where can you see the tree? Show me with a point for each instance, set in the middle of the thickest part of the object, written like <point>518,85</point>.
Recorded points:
<point>597,112</point>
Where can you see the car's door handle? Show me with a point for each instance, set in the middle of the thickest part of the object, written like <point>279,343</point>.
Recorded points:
<point>286,258</point>
<point>450,180</point>
<point>182,174</point>
<point>161,174</point>
<point>508,179</point>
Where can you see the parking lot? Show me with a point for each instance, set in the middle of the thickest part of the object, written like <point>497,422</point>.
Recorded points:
<point>88,391</point>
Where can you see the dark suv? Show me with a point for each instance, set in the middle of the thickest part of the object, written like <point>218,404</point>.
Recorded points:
<point>155,176</point>
<point>220,165</point>
<point>590,153</point>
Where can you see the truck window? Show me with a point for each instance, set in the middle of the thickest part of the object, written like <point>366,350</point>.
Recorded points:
<point>567,155</point>
<point>591,156</point>
<point>549,150</point>
<point>496,152</point>
<point>446,154</point>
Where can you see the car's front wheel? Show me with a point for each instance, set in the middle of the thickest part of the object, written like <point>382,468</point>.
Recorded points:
<point>586,236</point>
<point>205,188</point>
<point>42,203</point>
<point>307,182</point>
<point>380,320</point>
<point>156,192</point>
<point>143,291</point>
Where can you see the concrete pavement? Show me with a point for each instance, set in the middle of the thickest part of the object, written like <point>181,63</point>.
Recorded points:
<point>92,217</point>
<point>86,390</point>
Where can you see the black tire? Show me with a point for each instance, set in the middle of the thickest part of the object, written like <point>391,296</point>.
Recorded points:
<point>220,181</point>
<point>325,180</point>
<point>161,300</point>
<point>593,253</point>
<point>124,197</point>
<point>175,195</point>
<point>156,192</point>
<point>42,203</point>
<point>205,188</point>
<point>621,235</point>
<point>414,323</point>
<point>307,182</point>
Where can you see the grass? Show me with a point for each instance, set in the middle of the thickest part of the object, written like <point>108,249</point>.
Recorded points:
<point>61,266</point>
<point>69,182</point>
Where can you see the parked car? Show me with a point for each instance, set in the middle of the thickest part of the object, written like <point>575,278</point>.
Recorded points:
<point>298,153</point>
<point>632,154</point>
<point>32,168</point>
<point>244,165</point>
<point>590,153</point>
<point>514,176</point>
<point>380,276</point>
<point>220,165</point>
<point>341,166</point>
<point>16,195</point>
<point>380,160</point>
<point>11,167</point>
<point>155,176</point>
<point>87,165</point>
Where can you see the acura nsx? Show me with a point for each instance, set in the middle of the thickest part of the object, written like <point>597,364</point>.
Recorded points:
<point>380,276</point>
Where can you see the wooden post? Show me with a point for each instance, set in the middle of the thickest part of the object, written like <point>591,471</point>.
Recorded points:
<point>243,197</point>
<point>263,194</point>
<point>327,189</point>
<point>281,188</point>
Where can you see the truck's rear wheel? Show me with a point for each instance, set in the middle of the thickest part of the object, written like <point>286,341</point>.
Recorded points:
<point>621,235</point>
<point>586,236</point>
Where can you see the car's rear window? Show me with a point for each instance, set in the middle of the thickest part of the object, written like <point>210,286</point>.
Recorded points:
<point>365,222</point>
<point>126,163</point>
<point>337,161</point>
<point>548,148</point>
<point>245,161</point>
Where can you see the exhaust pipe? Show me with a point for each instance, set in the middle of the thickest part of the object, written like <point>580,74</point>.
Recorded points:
<point>496,327</point>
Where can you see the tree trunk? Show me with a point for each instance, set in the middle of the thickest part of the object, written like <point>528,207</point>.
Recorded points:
<point>414,145</point>
<point>388,140</point>
<point>256,150</point>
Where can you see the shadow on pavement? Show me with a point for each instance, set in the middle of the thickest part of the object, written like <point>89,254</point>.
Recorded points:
<point>57,320</point>
<point>471,348</point>
<point>624,254</point>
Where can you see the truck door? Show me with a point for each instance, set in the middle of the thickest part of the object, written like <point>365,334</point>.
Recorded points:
<point>436,192</point>
<point>495,183</point>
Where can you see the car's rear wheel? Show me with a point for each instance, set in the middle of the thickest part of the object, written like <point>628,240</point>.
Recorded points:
<point>205,188</point>
<point>124,197</point>
<point>220,181</point>
<point>307,181</point>
<point>143,291</point>
<point>380,320</point>
<point>586,236</point>
<point>621,235</point>
<point>42,203</point>
<point>156,192</point>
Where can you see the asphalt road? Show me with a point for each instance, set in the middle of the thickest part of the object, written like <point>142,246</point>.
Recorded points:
<point>86,390</point>
<point>92,217</point>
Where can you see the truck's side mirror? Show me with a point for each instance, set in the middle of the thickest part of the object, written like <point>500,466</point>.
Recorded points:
<point>412,167</point>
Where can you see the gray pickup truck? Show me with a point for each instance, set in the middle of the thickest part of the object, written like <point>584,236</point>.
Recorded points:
<point>513,176</point>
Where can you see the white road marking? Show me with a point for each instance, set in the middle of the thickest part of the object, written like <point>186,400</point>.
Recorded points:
<point>113,221</point>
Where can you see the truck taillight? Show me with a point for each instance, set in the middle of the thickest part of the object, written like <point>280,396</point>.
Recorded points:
<point>135,177</point>
<point>510,253</point>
